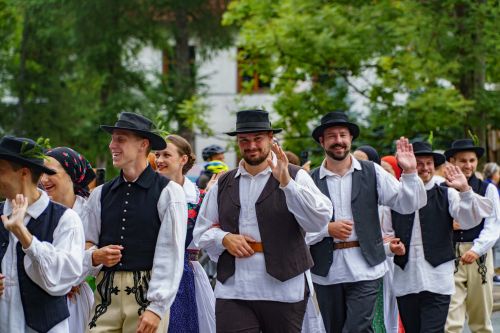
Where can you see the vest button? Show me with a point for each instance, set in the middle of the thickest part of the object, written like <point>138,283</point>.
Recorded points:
<point>128,193</point>
<point>123,228</point>
<point>129,185</point>
<point>124,210</point>
<point>121,237</point>
<point>123,219</point>
<point>126,202</point>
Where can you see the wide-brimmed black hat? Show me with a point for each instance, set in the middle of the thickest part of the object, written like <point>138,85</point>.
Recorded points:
<point>251,121</point>
<point>463,145</point>
<point>140,125</point>
<point>425,149</point>
<point>335,118</point>
<point>25,152</point>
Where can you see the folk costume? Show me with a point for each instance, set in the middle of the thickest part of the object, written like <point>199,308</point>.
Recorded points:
<point>81,173</point>
<point>347,274</point>
<point>267,291</point>
<point>473,283</point>
<point>38,278</point>
<point>423,277</point>
<point>147,217</point>
<point>193,310</point>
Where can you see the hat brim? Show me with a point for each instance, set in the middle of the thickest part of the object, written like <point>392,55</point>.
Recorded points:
<point>157,142</point>
<point>451,152</point>
<point>318,131</point>
<point>254,130</point>
<point>438,158</point>
<point>8,156</point>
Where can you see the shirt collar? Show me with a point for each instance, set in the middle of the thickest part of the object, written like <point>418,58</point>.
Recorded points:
<point>191,191</point>
<point>144,180</point>
<point>431,183</point>
<point>323,171</point>
<point>243,172</point>
<point>35,209</point>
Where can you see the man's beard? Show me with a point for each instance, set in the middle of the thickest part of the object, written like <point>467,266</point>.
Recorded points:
<point>256,160</point>
<point>338,157</point>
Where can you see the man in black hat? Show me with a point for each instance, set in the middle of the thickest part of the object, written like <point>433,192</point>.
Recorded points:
<point>138,223</point>
<point>474,273</point>
<point>41,244</point>
<point>348,254</point>
<point>252,223</point>
<point>423,277</point>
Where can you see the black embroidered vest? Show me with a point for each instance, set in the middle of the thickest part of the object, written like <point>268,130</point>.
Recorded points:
<point>364,204</point>
<point>129,217</point>
<point>436,224</point>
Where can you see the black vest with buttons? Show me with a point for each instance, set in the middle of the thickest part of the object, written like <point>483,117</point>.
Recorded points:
<point>436,224</point>
<point>364,205</point>
<point>129,217</point>
<point>479,187</point>
<point>41,311</point>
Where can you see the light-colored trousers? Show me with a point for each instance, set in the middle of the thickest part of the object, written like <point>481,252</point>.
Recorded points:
<point>122,315</point>
<point>471,297</point>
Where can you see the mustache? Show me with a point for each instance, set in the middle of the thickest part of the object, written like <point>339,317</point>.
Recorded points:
<point>337,146</point>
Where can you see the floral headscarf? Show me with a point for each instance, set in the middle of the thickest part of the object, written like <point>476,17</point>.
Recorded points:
<point>76,166</point>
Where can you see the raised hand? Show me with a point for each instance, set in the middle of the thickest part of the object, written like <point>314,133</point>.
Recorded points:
<point>455,178</point>
<point>16,219</point>
<point>280,169</point>
<point>404,155</point>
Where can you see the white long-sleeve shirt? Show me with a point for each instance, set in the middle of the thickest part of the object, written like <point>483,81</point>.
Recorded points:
<point>491,230</point>
<point>251,281</point>
<point>55,267</point>
<point>418,274</point>
<point>405,197</point>
<point>169,251</point>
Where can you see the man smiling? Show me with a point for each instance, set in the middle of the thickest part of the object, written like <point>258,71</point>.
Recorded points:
<point>137,221</point>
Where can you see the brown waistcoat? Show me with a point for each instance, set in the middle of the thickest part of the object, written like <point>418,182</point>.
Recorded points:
<point>285,250</point>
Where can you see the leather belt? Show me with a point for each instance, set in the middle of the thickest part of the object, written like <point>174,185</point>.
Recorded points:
<point>345,245</point>
<point>256,247</point>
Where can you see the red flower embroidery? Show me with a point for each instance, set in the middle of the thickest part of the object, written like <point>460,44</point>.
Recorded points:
<point>192,214</point>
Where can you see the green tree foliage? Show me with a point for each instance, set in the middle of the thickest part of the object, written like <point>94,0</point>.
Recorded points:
<point>67,66</point>
<point>425,64</point>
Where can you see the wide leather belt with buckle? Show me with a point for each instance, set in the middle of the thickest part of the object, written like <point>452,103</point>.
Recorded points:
<point>345,245</point>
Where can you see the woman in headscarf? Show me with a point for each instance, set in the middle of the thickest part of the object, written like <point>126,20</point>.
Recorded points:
<point>69,187</point>
<point>193,310</point>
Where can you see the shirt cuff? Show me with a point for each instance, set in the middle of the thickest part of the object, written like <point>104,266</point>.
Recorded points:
<point>92,270</point>
<point>291,187</point>
<point>157,309</point>
<point>220,236</point>
<point>34,249</point>
<point>477,249</point>
<point>387,249</point>
<point>466,195</point>
<point>409,176</point>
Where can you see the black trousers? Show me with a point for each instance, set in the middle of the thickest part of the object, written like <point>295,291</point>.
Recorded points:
<point>348,307</point>
<point>424,312</point>
<point>233,315</point>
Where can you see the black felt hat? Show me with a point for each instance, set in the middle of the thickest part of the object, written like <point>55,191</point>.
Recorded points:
<point>425,149</point>
<point>335,118</point>
<point>463,145</point>
<point>251,121</point>
<point>23,151</point>
<point>140,125</point>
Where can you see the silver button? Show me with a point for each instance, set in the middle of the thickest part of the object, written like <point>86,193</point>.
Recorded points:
<point>129,185</point>
<point>124,210</point>
<point>120,264</point>
<point>126,202</point>
<point>128,193</point>
<point>123,220</point>
<point>121,237</point>
<point>123,228</point>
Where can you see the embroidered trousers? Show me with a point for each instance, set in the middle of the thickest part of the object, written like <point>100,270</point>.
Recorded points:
<point>119,301</point>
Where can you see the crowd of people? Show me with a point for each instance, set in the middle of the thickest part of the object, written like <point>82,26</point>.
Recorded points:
<point>361,243</point>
